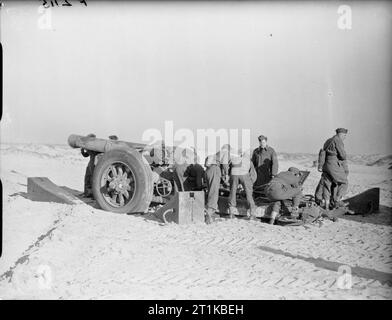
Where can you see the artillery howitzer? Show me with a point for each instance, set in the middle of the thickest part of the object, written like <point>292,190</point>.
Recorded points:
<point>129,176</point>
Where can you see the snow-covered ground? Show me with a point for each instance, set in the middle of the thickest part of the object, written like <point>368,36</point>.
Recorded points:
<point>60,251</point>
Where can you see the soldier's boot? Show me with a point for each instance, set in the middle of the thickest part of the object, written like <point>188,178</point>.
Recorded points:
<point>85,193</point>
<point>207,219</point>
<point>340,204</point>
<point>232,212</point>
<point>252,215</point>
<point>89,194</point>
<point>328,214</point>
<point>209,216</point>
<point>215,216</point>
<point>274,215</point>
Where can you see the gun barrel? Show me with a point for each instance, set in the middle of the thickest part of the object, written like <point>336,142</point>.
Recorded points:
<point>100,145</point>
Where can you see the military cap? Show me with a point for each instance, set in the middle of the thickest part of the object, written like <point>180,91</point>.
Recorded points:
<point>341,130</point>
<point>261,137</point>
<point>294,170</point>
<point>91,135</point>
<point>113,137</point>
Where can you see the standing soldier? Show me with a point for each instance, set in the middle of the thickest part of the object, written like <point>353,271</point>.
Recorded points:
<point>217,168</point>
<point>320,194</point>
<point>335,170</point>
<point>242,171</point>
<point>88,177</point>
<point>284,186</point>
<point>265,162</point>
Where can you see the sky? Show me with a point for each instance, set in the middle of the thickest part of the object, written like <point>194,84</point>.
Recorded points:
<point>285,70</point>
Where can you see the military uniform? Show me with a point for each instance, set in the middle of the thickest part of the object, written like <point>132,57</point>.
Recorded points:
<point>217,166</point>
<point>265,162</point>
<point>190,176</point>
<point>88,177</point>
<point>241,173</point>
<point>319,193</point>
<point>284,186</point>
<point>335,170</point>
<point>320,190</point>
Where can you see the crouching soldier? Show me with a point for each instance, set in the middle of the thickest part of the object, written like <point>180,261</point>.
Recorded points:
<point>243,173</point>
<point>284,186</point>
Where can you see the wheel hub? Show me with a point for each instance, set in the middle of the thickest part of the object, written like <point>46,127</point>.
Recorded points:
<point>119,187</point>
<point>120,184</point>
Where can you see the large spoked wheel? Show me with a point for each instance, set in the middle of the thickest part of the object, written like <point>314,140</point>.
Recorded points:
<point>122,182</point>
<point>118,184</point>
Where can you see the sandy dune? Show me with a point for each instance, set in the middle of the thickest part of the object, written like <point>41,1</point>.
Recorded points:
<point>61,251</point>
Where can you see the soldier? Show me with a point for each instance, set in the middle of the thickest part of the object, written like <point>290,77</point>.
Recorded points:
<point>335,170</point>
<point>189,173</point>
<point>88,177</point>
<point>319,193</point>
<point>284,186</point>
<point>242,171</point>
<point>217,168</point>
<point>195,175</point>
<point>265,162</point>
